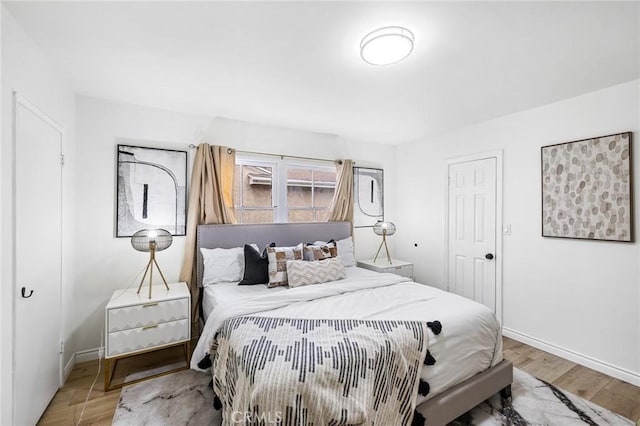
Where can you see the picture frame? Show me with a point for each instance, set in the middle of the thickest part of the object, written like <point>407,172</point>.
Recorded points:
<point>151,190</point>
<point>368,194</point>
<point>587,189</point>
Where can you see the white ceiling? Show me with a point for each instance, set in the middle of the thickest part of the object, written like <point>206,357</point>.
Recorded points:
<point>297,65</point>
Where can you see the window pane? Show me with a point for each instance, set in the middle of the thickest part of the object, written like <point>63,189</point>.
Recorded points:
<point>323,197</point>
<point>324,178</point>
<point>322,215</point>
<point>257,216</point>
<point>300,215</point>
<point>299,187</point>
<point>308,189</point>
<point>256,187</point>
<point>324,183</point>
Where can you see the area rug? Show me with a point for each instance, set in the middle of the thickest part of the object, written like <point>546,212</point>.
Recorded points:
<point>184,398</point>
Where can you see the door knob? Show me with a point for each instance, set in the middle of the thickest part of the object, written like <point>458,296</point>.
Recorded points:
<point>488,256</point>
<point>24,290</point>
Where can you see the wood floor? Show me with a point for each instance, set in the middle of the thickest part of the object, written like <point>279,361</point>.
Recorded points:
<point>613,394</point>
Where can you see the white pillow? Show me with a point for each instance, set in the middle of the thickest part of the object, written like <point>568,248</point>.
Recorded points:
<point>303,272</point>
<point>223,265</point>
<point>345,252</point>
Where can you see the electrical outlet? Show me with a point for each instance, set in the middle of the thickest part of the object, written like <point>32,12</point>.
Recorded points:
<point>101,351</point>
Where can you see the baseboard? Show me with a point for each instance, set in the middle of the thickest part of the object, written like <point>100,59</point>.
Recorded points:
<point>601,366</point>
<point>86,355</point>
<point>69,367</point>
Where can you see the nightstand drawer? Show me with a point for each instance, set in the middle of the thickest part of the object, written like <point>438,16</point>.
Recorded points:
<point>147,337</point>
<point>136,316</point>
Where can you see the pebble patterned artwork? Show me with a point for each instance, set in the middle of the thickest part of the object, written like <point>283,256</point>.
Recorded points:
<point>586,189</point>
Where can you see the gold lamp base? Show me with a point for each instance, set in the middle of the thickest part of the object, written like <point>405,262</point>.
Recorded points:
<point>149,270</point>
<point>383,243</point>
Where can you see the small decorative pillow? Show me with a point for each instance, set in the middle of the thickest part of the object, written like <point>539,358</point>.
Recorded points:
<point>345,250</point>
<point>256,266</point>
<point>319,252</point>
<point>278,257</point>
<point>302,273</point>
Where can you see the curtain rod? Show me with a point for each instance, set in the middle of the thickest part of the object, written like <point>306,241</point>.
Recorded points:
<point>282,156</point>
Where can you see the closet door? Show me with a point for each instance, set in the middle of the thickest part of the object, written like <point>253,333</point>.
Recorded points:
<point>473,234</point>
<point>38,239</point>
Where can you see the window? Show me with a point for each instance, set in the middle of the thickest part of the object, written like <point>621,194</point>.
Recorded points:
<point>284,190</point>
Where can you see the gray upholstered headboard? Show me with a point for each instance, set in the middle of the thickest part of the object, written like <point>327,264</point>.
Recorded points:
<point>262,234</point>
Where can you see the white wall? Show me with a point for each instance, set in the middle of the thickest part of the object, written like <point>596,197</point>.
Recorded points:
<point>579,298</point>
<point>105,263</point>
<point>25,69</point>
<point>5,415</point>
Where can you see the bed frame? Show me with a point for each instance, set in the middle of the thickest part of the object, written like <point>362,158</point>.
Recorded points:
<point>440,409</point>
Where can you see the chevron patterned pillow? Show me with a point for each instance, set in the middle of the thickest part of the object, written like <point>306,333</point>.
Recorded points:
<point>302,272</point>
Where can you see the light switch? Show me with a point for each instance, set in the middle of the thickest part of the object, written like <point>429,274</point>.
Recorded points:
<point>506,230</point>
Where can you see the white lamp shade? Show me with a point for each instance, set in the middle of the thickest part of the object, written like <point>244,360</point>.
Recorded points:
<point>386,46</point>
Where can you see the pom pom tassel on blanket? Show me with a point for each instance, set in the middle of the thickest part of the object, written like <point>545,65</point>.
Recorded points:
<point>435,326</point>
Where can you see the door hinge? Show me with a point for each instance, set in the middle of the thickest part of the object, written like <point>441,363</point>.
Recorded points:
<point>62,159</point>
<point>61,346</point>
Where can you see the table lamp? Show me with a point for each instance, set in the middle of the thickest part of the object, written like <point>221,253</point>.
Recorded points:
<point>385,229</point>
<point>152,241</point>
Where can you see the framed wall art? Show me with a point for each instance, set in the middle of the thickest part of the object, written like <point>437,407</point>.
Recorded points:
<point>368,193</point>
<point>151,190</point>
<point>587,188</point>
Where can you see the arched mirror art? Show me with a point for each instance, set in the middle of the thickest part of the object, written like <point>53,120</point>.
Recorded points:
<point>368,192</point>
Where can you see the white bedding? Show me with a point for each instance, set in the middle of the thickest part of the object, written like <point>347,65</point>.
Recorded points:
<point>223,294</point>
<point>469,343</point>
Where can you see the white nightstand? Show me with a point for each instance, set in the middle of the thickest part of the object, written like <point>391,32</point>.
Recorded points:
<point>135,324</point>
<point>397,267</point>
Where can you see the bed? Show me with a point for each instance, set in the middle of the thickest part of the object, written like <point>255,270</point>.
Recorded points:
<point>469,366</point>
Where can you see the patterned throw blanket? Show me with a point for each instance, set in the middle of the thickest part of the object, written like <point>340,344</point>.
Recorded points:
<point>317,372</point>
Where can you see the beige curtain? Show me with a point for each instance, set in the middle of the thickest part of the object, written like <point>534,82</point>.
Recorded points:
<point>210,201</point>
<point>342,203</point>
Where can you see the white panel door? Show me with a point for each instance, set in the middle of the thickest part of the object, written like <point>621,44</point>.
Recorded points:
<point>472,230</point>
<point>38,184</point>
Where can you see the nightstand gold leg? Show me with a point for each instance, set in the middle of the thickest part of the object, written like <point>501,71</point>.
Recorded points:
<point>187,352</point>
<point>107,377</point>
<point>109,369</point>
<point>106,373</point>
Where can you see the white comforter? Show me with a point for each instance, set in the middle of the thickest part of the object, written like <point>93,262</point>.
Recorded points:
<point>469,343</point>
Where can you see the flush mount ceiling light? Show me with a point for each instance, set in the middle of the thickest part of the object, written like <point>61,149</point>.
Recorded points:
<point>385,46</point>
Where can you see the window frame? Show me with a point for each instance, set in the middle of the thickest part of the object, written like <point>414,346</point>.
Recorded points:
<point>280,167</point>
